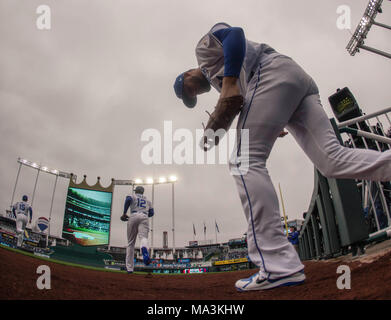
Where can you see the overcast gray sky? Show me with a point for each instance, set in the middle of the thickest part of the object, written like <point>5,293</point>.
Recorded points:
<point>78,97</point>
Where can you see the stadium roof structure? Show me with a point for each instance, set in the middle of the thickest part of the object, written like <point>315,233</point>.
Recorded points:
<point>368,19</point>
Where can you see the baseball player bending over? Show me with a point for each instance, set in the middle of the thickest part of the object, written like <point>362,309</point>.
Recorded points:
<point>140,209</point>
<point>21,210</point>
<point>270,92</point>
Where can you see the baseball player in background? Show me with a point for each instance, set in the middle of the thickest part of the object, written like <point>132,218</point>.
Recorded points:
<point>271,92</point>
<point>140,210</point>
<point>21,211</point>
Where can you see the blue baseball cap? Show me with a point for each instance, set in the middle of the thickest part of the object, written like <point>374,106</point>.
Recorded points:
<point>25,198</point>
<point>139,190</point>
<point>189,102</point>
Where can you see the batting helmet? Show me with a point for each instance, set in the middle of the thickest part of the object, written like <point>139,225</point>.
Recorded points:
<point>25,198</point>
<point>139,190</point>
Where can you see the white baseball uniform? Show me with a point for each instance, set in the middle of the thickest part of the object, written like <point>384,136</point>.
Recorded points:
<point>140,210</point>
<point>280,94</point>
<point>22,209</point>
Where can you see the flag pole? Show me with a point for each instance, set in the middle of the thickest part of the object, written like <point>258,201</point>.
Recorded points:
<point>283,210</point>
<point>216,230</point>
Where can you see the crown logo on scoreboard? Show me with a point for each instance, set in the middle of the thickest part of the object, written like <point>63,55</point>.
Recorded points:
<point>84,185</point>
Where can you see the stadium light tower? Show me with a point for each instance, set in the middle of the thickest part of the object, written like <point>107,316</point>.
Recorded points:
<point>152,182</point>
<point>40,168</point>
<point>368,19</point>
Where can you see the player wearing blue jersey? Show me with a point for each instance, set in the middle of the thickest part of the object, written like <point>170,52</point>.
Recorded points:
<point>23,213</point>
<point>140,210</point>
<point>270,92</point>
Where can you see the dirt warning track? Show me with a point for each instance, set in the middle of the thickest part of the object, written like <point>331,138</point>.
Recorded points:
<point>370,279</point>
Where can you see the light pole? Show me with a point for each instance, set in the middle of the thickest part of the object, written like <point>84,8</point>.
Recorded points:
<point>153,205</point>
<point>50,212</point>
<point>16,182</point>
<point>173,179</point>
<point>40,168</point>
<point>151,181</point>
<point>36,181</point>
<point>368,19</point>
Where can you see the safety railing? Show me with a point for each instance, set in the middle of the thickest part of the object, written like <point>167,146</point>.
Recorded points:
<point>345,215</point>
<point>372,131</point>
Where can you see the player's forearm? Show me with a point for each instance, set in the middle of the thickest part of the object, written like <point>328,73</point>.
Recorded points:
<point>127,204</point>
<point>230,87</point>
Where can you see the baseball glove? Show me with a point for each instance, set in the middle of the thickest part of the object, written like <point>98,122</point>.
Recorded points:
<point>124,217</point>
<point>222,117</point>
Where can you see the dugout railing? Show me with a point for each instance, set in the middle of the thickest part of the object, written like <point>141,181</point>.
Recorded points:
<point>345,215</point>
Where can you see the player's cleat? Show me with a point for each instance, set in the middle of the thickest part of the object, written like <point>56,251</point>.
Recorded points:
<point>261,282</point>
<point>146,259</point>
<point>129,272</point>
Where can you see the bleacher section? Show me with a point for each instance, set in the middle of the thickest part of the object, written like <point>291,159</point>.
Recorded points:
<point>192,259</point>
<point>204,258</point>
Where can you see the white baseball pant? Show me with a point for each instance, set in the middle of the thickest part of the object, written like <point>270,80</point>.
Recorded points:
<point>21,222</point>
<point>137,225</point>
<point>281,95</point>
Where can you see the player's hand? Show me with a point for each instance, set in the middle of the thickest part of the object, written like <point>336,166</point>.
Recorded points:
<point>124,217</point>
<point>282,134</point>
<point>30,221</point>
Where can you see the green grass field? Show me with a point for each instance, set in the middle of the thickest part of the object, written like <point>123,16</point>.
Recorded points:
<point>90,267</point>
<point>96,268</point>
<point>63,262</point>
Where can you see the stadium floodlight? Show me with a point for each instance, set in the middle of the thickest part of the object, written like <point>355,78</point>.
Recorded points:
<point>149,180</point>
<point>173,178</point>
<point>374,6</point>
<point>35,165</point>
<point>138,181</point>
<point>162,180</point>
<point>360,34</point>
